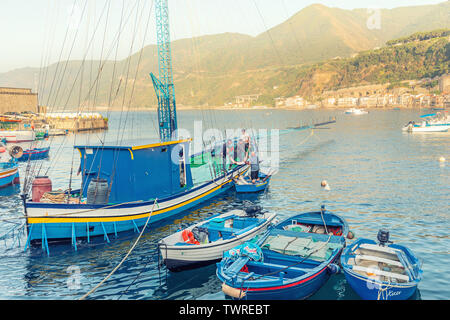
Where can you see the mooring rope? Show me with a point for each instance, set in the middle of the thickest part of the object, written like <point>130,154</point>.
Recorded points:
<point>125,258</point>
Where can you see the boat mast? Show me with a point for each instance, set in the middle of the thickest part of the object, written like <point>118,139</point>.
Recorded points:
<point>164,87</point>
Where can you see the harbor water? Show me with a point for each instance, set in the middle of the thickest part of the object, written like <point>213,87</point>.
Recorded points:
<point>380,177</point>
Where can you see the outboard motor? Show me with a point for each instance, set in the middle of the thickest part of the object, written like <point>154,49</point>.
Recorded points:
<point>201,234</point>
<point>383,237</point>
<point>253,211</point>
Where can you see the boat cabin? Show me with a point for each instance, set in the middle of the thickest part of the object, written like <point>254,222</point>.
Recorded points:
<point>137,172</point>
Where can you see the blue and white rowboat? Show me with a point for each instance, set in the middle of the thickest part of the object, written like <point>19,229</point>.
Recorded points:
<point>211,238</point>
<point>294,261</point>
<point>381,272</point>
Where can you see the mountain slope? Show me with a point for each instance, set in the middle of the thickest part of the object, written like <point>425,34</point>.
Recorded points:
<point>213,69</point>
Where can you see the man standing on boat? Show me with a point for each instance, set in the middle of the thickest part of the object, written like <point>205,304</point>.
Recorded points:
<point>254,166</point>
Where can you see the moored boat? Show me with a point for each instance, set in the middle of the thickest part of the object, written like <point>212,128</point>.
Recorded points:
<point>435,122</point>
<point>17,136</point>
<point>205,242</point>
<point>381,271</point>
<point>34,154</point>
<point>356,111</point>
<point>127,186</point>
<point>9,174</point>
<point>290,261</point>
<point>245,185</point>
<point>9,169</point>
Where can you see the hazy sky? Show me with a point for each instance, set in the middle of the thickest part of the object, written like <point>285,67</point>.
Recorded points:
<point>33,31</point>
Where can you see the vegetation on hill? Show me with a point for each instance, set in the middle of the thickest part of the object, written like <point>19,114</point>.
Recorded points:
<point>305,55</point>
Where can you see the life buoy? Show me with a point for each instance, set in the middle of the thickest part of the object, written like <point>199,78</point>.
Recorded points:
<point>188,237</point>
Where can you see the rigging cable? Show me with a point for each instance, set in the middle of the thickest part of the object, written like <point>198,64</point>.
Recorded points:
<point>124,258</point>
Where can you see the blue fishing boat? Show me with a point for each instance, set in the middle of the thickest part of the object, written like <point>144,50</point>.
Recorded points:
<point>292,260</point>
<point>9,174</point>
<point>35,154</point>
<point>381,271</point>
<point>9,169</point>
<point>128,186</point>
<point>245,185</point>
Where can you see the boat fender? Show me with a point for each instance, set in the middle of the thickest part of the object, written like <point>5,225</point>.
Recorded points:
<point>233,292</point>
<point>188,237</point>
<point>350,235</point>
<point>333,268</point>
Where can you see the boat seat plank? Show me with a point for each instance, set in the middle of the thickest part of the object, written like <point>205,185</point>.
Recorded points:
<point>375,247</point>
<point>379,259</point>
<point>277,266</point>
<point>381,273</point>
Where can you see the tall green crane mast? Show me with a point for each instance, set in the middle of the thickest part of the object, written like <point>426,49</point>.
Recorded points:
<point>164,87</point>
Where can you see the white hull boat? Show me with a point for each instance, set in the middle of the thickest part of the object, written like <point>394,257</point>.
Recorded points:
<point>204,243</point>
<point>434,123</point>
<point>356,111</point>
<point>17,136</point>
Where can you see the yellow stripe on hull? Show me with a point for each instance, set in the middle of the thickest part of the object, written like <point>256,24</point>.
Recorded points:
<point>32,220</point>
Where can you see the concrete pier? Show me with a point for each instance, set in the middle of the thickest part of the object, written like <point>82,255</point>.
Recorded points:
<point>76,122</point>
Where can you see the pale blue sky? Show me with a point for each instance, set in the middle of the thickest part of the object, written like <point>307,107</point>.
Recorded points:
<point>33,31</point>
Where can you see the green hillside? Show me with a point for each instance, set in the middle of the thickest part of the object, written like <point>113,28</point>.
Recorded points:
<point>308,53</point>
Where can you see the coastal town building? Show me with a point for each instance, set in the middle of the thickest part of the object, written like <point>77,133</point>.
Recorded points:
<point>245,101</point>
<point>291,102</point>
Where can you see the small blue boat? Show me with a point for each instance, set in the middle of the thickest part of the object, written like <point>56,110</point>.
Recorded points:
<point>245,185</point>
<point>9,174</point>
<point>382,271</point>
<point>291,261</point>
<point>35,154</point>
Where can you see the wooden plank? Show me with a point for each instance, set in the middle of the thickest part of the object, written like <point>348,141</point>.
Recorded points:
<point>379,259</point>
<point>375,247</point>
<point>381,273</point>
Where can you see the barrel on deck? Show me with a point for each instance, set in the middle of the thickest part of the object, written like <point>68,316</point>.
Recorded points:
<point>41,185</point>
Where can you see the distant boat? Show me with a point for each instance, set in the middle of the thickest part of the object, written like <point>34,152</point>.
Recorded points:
<point>291,261</point>
<point>356,111</point>
<point>381,271</point>
<point>434,122</point>
<point>57,132</point>
<point>205,242</point>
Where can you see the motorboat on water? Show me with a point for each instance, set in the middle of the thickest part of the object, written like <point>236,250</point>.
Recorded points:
<point>434,122</point>
<point>356,111</point>
<point>381,271</point>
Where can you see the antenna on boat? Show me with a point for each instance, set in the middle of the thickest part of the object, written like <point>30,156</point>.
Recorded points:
<point>164,86</point>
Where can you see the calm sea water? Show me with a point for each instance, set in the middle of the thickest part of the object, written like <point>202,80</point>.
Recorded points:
<point>380,177</point>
